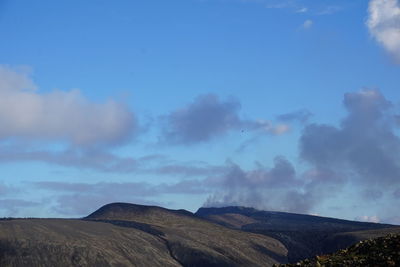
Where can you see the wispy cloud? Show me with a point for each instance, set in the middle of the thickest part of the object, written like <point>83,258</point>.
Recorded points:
<point>107,162</point>
<point>13,206</point>
<point>79,199</point>
<point>302,10</point>
<point>328,10</point>
<point>82,159</point>
<point>301,116</point>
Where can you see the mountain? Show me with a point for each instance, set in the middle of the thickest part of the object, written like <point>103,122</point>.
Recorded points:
<point>381,251</point>
<point>194,241</point>
<point>305,236</point>
<point>121,234</point>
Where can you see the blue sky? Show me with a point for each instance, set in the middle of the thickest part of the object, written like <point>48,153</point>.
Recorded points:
<point>280,105</point>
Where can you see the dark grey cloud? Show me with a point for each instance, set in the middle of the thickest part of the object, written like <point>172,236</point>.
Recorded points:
<point>266,188</point>
<point>365,144</point>
<point>277,188</point>
<point>362,151</point>
<point>201,120</point>
<point>208,117</point>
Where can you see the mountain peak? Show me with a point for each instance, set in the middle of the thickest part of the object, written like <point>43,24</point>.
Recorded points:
<point>121,209</point>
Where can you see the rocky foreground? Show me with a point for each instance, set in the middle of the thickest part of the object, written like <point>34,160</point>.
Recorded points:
<point>381,251</point>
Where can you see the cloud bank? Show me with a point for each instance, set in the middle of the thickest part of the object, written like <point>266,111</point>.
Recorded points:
<point>384,25</point>
<point>362,152</point>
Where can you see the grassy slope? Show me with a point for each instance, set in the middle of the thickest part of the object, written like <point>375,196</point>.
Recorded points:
<point>57,242</point>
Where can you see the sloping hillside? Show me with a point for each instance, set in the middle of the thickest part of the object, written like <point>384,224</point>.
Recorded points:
<point>304,235</point>
<point>194,241</point>
<point>55,242</point>
<point>123,234</point>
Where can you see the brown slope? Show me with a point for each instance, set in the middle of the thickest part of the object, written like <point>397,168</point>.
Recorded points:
<point>58,242</point>
<point>194,241</point>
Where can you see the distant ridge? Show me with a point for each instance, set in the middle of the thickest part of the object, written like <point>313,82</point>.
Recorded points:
<point>304,235</point>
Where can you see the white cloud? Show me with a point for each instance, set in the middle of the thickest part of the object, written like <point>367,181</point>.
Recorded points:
<point>59,115</point>
<point>384,24</point>
<point>307,24</point>
<point>365,218</point>
<point>302,10</point>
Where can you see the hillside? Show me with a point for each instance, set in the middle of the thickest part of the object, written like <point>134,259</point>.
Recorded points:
<point>55,242</point>
<point>304,235</point>
<point>122,234</point>
<point>194,241</point>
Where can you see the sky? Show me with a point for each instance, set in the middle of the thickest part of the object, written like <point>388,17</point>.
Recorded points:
<point>285,105</point>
